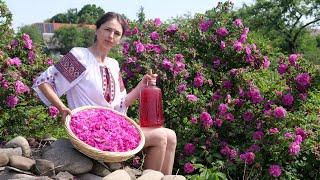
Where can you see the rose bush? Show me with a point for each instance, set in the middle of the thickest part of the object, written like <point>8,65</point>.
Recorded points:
<point>239,107</point>
<point>236,108</point>
<point>21,112</point>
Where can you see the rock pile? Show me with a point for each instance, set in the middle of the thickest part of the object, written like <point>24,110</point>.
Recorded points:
<point>59,160</point>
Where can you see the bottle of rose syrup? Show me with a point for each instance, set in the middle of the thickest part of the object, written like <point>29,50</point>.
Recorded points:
<point>150,109</point>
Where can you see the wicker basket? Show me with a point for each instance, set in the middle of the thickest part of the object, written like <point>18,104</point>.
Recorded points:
<point>97,154</point>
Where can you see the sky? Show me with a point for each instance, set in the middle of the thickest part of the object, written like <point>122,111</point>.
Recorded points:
<point>29,12</point>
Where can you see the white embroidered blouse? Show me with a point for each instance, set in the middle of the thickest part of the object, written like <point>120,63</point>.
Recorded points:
<point>85,81</point>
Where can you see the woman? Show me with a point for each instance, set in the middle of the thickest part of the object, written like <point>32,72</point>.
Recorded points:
<point>88,77</point>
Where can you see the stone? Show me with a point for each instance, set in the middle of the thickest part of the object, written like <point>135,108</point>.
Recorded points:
<point>13,176</point>
<point>151,174</point>
<point>28,177</point>
<point>32,142</point>
<point>36,153</point>
<point>21,162</point>
<point>48,137</point>
<point>10,175</point>
<point>66,158</point>
<point>22,142</point>
<point>11,151</point>
<point>113,166</point>
<point>99,169</point>
<point>146,171</point>
<point>16,170</point>
<point>44,167</point>
<point>4,159</point>
<point>64,176</point>
<point>173,177</point>
<point>118,174</point>
<point>89,176</point>
<point>132,172</point>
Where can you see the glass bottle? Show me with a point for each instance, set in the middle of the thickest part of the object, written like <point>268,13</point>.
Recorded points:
<point>150,109</point>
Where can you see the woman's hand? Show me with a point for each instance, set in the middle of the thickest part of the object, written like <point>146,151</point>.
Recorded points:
<point>149,79</point>
<point>64,113</point>
<point>51,95</point>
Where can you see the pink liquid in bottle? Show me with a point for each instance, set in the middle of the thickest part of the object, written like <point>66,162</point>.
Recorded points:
<point>151,111</point>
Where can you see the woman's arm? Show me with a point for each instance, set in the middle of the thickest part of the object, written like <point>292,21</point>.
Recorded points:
<point>50,94</point>
<point>135,93</point>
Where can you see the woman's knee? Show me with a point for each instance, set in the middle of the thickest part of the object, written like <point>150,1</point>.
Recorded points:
<point>171,137</point>
<point>159,137</point>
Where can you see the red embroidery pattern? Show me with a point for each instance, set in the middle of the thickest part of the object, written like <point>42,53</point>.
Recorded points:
<point>70,67</point>
<point>108,85</point>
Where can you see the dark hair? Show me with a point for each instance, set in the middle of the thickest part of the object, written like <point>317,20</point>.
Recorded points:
<point>112,15</point>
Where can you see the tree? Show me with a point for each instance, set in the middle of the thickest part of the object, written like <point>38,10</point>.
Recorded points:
<point>59,18</point>
<point>5,24</point>
<point>318,40</point>
<point>33,32</point>
<point>287,18</point>
<point>88,36</point>
<point>72,16</point>
<point>141,15</point>
<point>89,14</point>
<point>69,37</point>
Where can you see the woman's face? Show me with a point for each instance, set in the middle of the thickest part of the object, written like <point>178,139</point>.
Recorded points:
<point>109,34</point>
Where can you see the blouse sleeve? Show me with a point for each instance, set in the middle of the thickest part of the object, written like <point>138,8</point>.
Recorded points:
<point>62,76</point>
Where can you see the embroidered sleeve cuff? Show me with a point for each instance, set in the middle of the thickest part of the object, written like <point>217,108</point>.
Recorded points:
<point>70,67</point>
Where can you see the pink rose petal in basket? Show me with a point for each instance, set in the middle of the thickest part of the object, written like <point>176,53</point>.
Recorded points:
<point>105,130</point>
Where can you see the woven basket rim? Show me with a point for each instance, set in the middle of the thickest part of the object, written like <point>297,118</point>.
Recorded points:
<point>99,152</point>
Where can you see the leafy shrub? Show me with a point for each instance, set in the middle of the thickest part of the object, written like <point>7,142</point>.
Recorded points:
<point>21,112</point>
<point>68,37</point>
<point>229,102</point>
<point>238,107</point>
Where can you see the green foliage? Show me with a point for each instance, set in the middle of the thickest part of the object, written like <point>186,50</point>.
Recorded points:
<point>262,40</point>
<point>284,21</point>
<point>88,36</point>
<point>24,114</point>
<point>70,37</point>
<point>205,173</point>
<point>20,62</point>
<point>190,51</point>
<point>71,16</point>
<point>5,24</point>
<point>59,18</point>
<point>309,47</point>
<point>88,14</point>
<point>308,43</point>
<point>318,40</point>
<point>33,32</point>
<point>141,15</point>
<point>190,54</point>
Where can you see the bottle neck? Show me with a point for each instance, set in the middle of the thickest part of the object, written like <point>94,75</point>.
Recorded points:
<point>151,84</point>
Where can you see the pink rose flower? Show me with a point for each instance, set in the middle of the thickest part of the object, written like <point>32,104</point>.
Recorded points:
<point>279,112</point>
<point>53,111</point>
<point>12,101</point>
<point>274,170</point>
<point>188,168</point>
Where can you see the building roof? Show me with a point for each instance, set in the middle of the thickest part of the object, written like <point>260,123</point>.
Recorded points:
<point>51,27</point>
